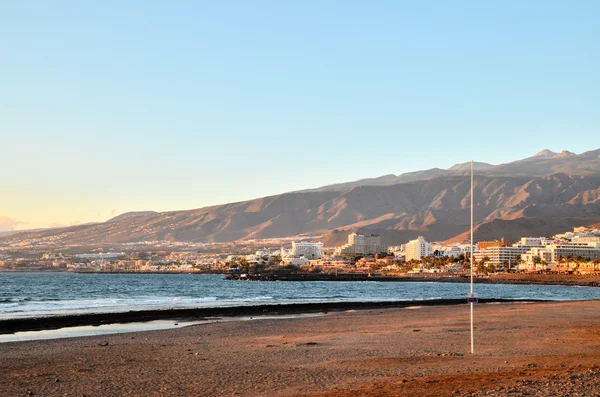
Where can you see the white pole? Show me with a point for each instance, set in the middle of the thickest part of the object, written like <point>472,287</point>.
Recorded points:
<point>472,340</point>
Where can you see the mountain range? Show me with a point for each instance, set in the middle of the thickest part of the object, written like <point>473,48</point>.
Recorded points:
<point>540,195</point>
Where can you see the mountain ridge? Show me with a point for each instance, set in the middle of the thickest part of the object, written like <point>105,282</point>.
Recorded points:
<point>544,162</point>
<point>531,199</point>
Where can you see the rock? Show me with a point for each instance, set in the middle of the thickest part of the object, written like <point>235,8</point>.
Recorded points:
<point>103,344</point>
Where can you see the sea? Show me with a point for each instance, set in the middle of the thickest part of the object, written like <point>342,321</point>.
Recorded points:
<point>51,294</point>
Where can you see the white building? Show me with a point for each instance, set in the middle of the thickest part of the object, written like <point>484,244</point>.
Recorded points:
<point>543,253</point>
<point>307,250</point>
<point>551,253</point>
<point>450,250</point>
<point>416,249</point>
<point>361,245</point>
<point>532,241</point>
<point>295,261</point>
<point>507,256</point>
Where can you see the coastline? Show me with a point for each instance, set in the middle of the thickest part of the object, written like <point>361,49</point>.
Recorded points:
<point>503,278</point>
<point>10,326</point>
<point>590,280</point>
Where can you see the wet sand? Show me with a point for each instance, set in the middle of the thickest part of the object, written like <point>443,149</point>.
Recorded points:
<point>416,351</point>
<point>9,326</point>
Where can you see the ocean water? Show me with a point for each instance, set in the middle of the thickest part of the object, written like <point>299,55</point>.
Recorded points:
<point>46,294</point>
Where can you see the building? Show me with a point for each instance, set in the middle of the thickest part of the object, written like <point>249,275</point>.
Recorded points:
<point>582,229</point>
<point>545,258</point>
<point>487,244</point>
<point>532,241</point>
<point>593,239</point>
<point>359,244</point>
<point>543,261</point>
<point>295,261</point>
<point>439,249</point>
<point>307,250</point>
<point>507,256</point>
<point>498,256</point>
<point>416,249</point>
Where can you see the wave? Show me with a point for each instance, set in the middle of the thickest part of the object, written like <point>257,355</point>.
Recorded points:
<point>251,299</point>
<point>14,300</point>
<point>14,305</point>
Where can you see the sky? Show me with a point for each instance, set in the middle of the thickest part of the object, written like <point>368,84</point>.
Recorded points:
<point>115,106</point>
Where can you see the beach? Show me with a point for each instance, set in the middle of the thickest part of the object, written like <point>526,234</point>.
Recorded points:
<point>416,350</point>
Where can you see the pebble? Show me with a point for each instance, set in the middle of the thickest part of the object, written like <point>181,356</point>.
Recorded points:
<point>575,384</point>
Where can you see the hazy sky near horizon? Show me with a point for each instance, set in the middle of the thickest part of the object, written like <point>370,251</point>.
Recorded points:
<point>114,106</point>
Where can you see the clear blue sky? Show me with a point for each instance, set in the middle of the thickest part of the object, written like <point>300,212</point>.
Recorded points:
<point>112,106</point>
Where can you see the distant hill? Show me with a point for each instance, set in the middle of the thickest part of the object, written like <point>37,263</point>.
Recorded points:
<point>542,195</point>
<point>6,233</point>
<point>133,214</point>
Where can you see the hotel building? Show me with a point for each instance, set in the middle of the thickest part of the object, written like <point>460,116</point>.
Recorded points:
<point>416,249</point>
<point>507,255</point>
<point>359,244</point>
<point>551,253</point>
<point>307,250</point>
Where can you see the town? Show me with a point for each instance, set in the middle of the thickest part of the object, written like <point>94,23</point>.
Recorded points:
<point>574,252</point>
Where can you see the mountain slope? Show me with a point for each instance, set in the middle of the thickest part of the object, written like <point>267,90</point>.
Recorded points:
<point>477,166</point>
<point>508,206</point>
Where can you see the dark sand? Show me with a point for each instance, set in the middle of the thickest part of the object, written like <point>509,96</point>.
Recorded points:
<point>540,348</point>
<point>11,326</point>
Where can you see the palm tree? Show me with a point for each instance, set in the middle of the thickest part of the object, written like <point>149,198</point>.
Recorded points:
<point>566,260</point>
<point>465,263</point>
<point>517,262</point>
<point>578,261</point>
<point>481,266</point>
<point>596,264</point>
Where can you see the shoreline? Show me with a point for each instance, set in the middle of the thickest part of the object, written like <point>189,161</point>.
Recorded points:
<point>11,326</point>
<point>505,278</point>
<point>589,280</point>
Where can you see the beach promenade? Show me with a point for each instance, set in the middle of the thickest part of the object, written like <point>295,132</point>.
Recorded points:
<point>396,351</point>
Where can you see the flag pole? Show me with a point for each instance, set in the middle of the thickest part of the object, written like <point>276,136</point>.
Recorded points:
<point>471,294</point>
